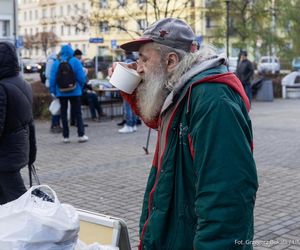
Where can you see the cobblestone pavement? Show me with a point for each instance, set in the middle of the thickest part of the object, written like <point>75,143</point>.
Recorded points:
<point>108,174</point>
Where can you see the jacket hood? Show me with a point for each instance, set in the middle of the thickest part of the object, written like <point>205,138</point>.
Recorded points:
<point>53,56</point>
<point>9,65</point>
<point>197,68</point>
<point>66,51</point>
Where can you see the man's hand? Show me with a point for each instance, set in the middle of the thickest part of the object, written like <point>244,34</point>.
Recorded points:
<point>132,65</point>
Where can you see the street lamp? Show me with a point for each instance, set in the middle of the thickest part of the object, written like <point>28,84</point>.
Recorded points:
<point>15,22</point>
<point>227,27</point>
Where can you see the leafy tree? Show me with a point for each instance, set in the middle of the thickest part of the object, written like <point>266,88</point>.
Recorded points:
<point>289,22</point>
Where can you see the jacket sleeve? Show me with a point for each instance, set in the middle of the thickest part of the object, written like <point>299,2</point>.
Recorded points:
<point>32,143</point>
<point>226,180</point>
<point>52,79</point>
<point>249,72</point>
<point>79,72</point>
<point>3,103</point>
<point>49,65</point>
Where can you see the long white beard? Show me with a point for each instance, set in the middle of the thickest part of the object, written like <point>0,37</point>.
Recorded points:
<point>152,92</point>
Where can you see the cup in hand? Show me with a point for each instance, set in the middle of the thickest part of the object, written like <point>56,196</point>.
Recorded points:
<point>125,79</point>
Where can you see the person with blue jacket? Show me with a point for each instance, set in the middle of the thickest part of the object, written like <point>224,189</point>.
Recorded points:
<point>74,95</point>
<point>55,119</point>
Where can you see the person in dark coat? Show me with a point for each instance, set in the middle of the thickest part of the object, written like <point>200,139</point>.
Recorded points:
<point>17,132</point>
<point>245,72</point>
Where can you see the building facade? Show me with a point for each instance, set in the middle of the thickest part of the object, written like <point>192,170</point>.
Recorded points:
<point>7,20</point>
<point>111,22</point>
<point>48,24</point>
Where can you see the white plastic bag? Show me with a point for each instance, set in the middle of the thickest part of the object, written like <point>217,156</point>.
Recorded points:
<point>54,107</point>
<point>95,246</point>
<point>30,223</point>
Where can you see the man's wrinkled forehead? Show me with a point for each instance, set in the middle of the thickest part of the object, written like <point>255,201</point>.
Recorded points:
<point>148,50</point>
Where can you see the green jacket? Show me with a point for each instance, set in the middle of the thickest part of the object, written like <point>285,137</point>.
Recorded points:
<point>202,185</point>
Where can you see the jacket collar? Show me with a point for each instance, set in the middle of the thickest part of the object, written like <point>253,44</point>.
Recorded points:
<point>195,70</point>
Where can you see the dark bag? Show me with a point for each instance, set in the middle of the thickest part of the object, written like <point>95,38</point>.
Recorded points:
<point>65,77</point>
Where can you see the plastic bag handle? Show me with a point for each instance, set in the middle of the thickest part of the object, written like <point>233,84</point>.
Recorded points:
<point>23,201</point>
<point>44,186</point>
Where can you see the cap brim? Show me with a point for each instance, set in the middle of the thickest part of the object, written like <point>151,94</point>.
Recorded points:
<point>135,44</point>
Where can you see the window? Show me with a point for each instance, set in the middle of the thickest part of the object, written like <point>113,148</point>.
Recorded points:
<point>53,14</point>
<point>44,13</point>
<point>69,9</point>
<point>62,30</point>
<point>25,15</point>
<point>69,30</point>
<point>36,14</point>
<point>208,22</point>
<point>142,24</point>
<point>103,4</point>
<point>61,10</point>
<point>121,2</point>
<point>30,15</point>
<point>36,30</point>
<point>141,1</point>
<point>209,3</point>
<point>103,27</point>
<point>84,49</point>
<point>83,6</point>
<point>4,28</point>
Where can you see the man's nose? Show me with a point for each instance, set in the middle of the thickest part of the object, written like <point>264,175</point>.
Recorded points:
<point>140,69</point>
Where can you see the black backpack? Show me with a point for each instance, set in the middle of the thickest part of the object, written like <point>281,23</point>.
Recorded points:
<point>65,77</point>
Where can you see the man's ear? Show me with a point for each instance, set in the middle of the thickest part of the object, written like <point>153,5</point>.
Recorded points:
<point>172,61</point>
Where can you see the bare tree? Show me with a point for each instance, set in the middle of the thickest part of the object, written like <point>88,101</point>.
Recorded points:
<point>29,41</point>
<point>116,16</point>
<point>79,19</point>
<point>46,40</point>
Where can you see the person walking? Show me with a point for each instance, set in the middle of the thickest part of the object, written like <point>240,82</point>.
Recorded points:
<point>202,185</point>
<point>55,119</point>
<point>72,95</point>
<point>17,132</point>
<point>245,73</point>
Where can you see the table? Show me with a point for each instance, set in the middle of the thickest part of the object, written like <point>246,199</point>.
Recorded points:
<point>111,100</point>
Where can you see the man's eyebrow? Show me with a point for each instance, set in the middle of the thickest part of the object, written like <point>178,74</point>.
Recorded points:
<point>141,55</point>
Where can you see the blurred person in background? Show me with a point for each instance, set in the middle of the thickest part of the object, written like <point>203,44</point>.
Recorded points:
<point>73,96</point>
<point>55,119</point>
<point>17,132</point>
<point>245,72</point>
<point>130,120</point>
<point>89,96</point>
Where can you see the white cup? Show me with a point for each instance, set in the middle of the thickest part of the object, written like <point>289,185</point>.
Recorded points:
<point>125,79</point>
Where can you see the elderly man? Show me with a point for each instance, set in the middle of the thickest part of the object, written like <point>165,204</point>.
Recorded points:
<point>202,185</point>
